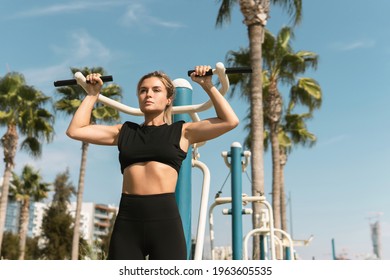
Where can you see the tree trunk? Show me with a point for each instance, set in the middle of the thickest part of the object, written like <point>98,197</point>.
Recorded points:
<point>257,127</point>
<point>275,175</point>
<point>283,210</point>
<point>10,143</point>
<point>79,202</point>
<point>23,227</point>
<point>255,15</point>
<point>273,113</point>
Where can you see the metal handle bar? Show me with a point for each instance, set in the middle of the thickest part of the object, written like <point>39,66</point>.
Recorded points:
<point>235,70</point>
<point>190,109</point>
<point>72,82</point>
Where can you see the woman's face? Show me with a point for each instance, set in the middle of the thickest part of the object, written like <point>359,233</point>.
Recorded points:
<point>152,96</point>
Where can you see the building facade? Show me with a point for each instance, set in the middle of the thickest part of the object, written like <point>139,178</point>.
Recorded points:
<point>95,220</point>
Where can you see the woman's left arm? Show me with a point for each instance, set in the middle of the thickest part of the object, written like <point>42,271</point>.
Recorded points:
<point>225,120</point>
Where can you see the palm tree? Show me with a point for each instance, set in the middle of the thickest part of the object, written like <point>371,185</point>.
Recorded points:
<point>21,109</point>
<point>70,101</point>
<point>282,66</point>
<point>27,187</point>
<point>294,132</point>
<point>255,15</point>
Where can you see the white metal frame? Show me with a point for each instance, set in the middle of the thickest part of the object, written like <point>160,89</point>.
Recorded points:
<point>203,208</point>
<point>277,241</point>
<point>245,199</point>
<point>192,110</point>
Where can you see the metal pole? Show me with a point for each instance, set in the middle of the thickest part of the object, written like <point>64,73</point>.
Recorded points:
<point>334,249</point>
<point>183,186</point>
<point>288,253</point>
<point>263,247</point>
<point>236,170</point>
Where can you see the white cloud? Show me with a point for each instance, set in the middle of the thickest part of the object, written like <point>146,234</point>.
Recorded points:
<point>83,50</point>
<point>83,46</point>
<point>133,14</point>
<point>66,8</point>
<point>86,47</point>
<point>42,77</point>
<point>334,140</point>
<point>168,24</point>
<point>363,44</point>
<point>136,14</point>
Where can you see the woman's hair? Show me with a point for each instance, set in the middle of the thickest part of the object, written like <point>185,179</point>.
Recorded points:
<point>167,82</point>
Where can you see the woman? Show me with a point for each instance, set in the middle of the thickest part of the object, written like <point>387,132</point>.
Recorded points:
<point>148,221</point>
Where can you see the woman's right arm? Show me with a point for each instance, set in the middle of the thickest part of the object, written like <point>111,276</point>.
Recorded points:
<point>80,128</point>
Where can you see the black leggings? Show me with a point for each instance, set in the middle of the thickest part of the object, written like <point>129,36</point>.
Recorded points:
<point>148,225</point>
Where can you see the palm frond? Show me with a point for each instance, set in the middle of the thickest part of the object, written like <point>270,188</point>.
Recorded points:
<point>224,12</point>
<point>293,7</point>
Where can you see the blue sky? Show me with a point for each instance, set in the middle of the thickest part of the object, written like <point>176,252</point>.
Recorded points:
<point>337,188</point>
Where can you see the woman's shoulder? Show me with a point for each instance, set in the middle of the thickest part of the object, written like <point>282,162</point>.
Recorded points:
<point>181,122</point>
<point>129,124</point>
<point>126,126</point>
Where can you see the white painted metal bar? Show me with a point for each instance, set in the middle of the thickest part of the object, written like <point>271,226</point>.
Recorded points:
<point>203,209</point>
<point>190,109</point>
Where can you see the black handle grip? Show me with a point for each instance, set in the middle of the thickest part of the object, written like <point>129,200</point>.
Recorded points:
<point>235,70</point>
<point>71,82</point>
<point>208,73</point>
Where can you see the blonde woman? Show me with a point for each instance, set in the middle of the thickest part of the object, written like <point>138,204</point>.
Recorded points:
<point>150,155</point>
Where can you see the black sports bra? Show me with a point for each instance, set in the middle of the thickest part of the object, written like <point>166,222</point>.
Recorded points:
<point>151,143</point>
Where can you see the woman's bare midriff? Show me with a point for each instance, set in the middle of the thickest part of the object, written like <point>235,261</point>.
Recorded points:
<point>148,178</point>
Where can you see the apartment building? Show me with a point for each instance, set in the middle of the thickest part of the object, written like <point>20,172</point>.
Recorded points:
<point>95,219</point>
